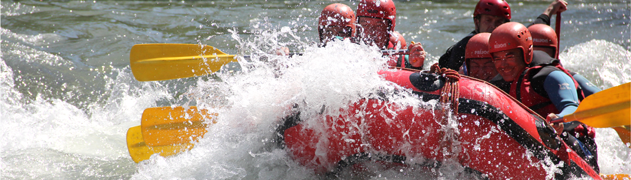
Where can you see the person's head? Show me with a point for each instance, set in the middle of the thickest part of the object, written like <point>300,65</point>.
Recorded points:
<point>544,39</point>
<point>511,47</point>
<point>336,20</point>
<point>397,39</point>
<point>377,19</point>
<point>478,59</point>
<point>489,14</point>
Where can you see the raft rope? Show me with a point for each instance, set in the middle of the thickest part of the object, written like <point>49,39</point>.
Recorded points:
<point>449,95</point>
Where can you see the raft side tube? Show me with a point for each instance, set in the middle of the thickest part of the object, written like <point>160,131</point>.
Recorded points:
<point>496,135</point>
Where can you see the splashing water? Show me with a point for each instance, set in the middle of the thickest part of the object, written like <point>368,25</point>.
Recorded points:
<point>606,64</point>
<point>67,95</point>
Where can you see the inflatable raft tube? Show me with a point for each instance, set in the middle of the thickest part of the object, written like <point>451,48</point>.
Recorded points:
<point>496,138</point>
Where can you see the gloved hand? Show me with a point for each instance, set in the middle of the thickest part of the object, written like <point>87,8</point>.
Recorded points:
<point>417,55</point>
<point>579,129</point>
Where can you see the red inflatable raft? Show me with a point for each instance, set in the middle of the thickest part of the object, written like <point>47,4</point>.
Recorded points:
<point>497,138</point>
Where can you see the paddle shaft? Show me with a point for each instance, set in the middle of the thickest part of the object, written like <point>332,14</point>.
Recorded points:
<point>558,31</point>
<point>384,52</point>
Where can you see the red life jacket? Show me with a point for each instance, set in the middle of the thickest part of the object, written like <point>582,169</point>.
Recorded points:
<point>523,90</point>
<point>402,61</point>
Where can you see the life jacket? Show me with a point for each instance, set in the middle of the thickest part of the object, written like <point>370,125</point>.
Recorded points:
<point>532,94</point>
<point>403,61</point>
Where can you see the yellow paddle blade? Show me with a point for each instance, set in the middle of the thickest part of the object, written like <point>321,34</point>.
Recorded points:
<point>607,108</point>
<point>139,151</point>
<point>155,62</point>
<point>166,125</point>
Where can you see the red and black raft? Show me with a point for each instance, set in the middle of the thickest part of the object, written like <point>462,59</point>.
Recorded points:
<point>496,138</point>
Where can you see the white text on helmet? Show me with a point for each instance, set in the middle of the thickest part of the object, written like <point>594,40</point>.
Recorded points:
<point>500,45</point>
<point>540,40</point>
<point>481,52</point>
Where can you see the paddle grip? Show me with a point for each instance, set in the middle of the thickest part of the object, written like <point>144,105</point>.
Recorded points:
<point>556,120</point>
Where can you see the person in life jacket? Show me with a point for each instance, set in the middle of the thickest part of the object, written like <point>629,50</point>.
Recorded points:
<point>478,61</point>
<point>545,39</point>
<point>487,15</point>
<point>377,20</point>
<point>547,89</point>
<point>397,42</point>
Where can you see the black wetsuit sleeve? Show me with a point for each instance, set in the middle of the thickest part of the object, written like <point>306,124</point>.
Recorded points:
<point>454,57</point>
<point>542,19</point>
<point>541,58</point>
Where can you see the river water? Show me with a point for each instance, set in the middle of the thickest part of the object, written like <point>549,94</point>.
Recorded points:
<point>67,95</point>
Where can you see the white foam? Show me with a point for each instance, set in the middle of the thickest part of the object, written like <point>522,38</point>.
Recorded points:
<point>604,63</point>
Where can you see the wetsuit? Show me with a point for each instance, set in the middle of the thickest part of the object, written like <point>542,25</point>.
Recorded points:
<point>550,84</point>
<point>587,87</point>
<point>454,57</point>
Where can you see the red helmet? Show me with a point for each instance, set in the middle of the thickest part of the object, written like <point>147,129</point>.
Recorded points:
<point>338,15</point>
<point>509,36</point>
<point>544,35</point>
<point>383,9</point>
<point>478,46</point>
<point>493,7</point>
<point>395,38</point>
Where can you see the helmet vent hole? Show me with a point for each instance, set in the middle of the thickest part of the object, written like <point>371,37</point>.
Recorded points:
<point>518,36</point>
<point>487,10</point>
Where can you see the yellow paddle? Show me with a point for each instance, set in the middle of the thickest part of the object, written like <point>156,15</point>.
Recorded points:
<point>155,62</point>
<point>139,151</point>
<point>607,108</point>
<point>162,126</point>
